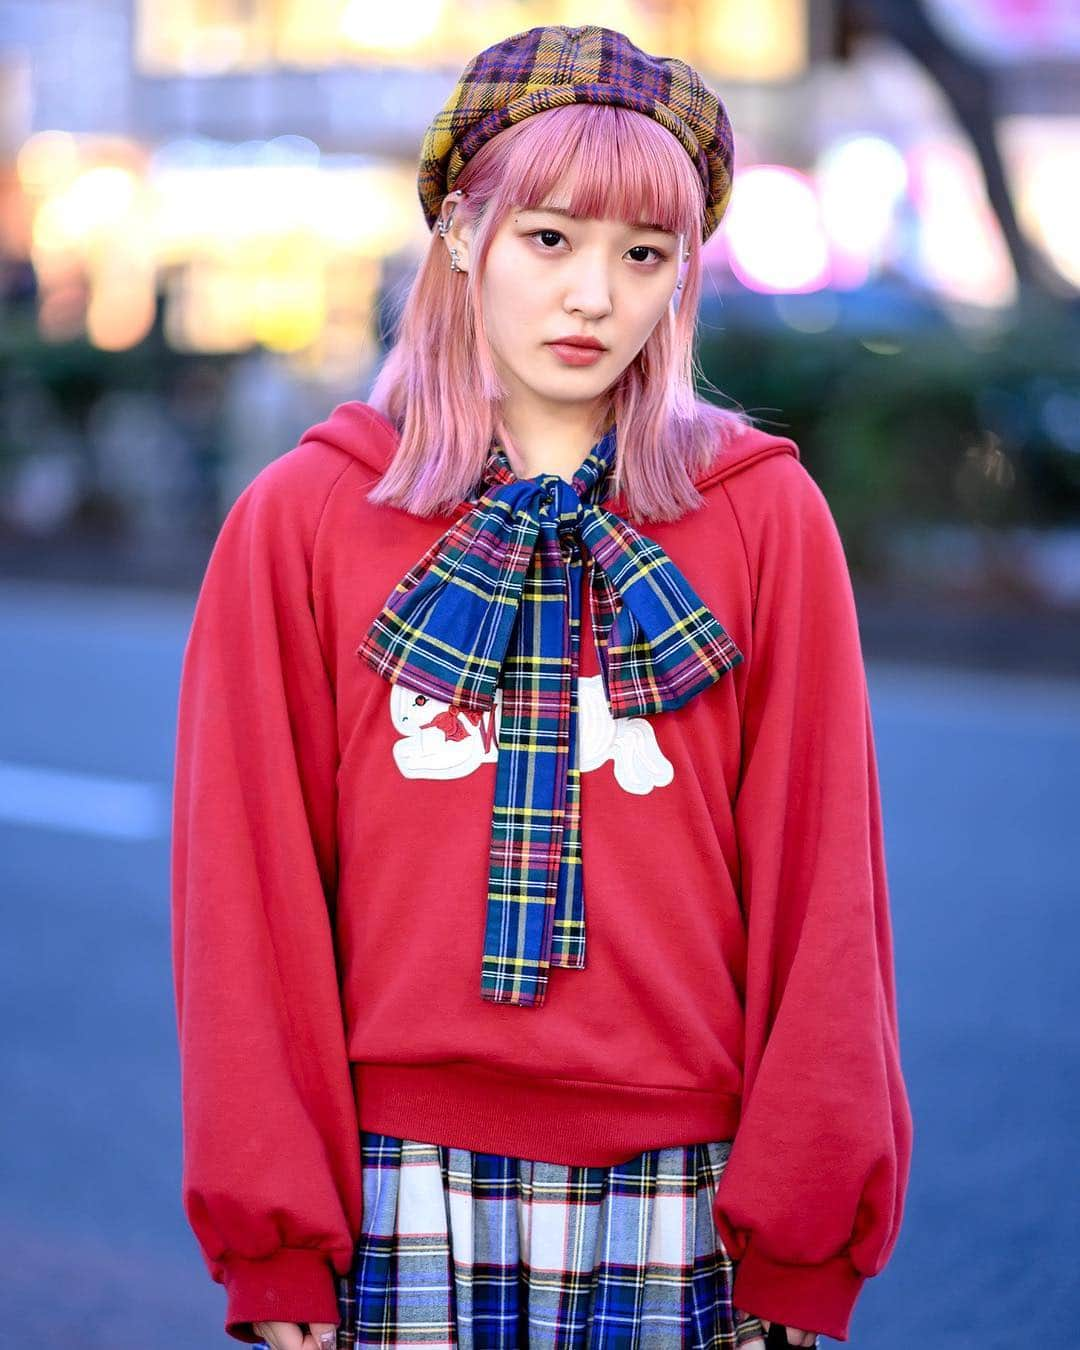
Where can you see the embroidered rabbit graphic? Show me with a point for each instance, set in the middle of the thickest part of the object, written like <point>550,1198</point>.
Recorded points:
<point>440,740</point>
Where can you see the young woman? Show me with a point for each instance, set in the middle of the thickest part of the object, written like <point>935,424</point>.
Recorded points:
<point>532,946</point>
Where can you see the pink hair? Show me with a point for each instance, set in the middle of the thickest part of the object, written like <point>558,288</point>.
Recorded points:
<point>438,383</point>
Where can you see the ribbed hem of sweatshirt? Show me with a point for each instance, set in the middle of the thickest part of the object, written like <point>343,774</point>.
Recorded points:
<point>560,1120</point>
<point>295,1284</point>
<point>812,1298</point>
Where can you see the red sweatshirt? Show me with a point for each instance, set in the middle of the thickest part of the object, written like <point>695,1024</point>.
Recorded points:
<point>331,836</point>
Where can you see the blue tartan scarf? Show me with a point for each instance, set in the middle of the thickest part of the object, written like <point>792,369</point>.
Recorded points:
<point>495,601</point>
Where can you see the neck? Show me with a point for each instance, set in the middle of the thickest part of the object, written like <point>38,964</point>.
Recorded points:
<point>534,447</point>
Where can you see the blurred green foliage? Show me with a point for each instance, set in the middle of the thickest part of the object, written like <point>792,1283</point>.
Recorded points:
<point>933,426</point>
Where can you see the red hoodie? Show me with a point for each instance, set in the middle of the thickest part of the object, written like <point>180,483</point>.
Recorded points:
<point>331,835</point>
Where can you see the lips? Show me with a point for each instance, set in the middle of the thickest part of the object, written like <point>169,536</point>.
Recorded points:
<point>588,344</point>
<point>576,353</point>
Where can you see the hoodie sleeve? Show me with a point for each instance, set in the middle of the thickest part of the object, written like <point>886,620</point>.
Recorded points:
<point>811,1200</point>
<point>271,1152</point>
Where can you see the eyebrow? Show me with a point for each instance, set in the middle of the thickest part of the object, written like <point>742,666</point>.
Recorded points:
<point>561,211</point>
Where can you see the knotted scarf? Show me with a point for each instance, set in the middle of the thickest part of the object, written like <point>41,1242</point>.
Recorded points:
<point>494,602</point>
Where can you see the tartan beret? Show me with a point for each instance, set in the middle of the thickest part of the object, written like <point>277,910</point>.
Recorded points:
<point>554,65</point>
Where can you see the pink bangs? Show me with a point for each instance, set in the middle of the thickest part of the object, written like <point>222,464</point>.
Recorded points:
<point>438,382</point>
<point>616,163</point>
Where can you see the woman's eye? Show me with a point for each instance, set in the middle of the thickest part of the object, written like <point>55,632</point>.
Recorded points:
<point>637,248</point>
<point>648,248</point>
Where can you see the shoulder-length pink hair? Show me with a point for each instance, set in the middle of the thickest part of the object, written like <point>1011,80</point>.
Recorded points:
<point>438,383</point>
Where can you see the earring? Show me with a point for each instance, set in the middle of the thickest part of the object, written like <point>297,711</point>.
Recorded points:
<point>454,261</point>
<point>443,223</point>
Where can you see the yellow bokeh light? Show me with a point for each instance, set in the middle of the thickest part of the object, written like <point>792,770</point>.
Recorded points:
<point>47,161</point>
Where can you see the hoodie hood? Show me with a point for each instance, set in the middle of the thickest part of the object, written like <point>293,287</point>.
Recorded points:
<point>370,437</point>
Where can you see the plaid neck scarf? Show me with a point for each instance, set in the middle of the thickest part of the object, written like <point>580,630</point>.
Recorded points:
<point>495,602</point>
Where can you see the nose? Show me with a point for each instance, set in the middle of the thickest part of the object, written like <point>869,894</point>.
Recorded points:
<point>589,291</point>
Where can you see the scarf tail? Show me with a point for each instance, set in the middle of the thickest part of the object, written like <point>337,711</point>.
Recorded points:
<point>535,905</point>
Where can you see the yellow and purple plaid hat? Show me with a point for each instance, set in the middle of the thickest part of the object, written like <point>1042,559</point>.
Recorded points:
<point>554,65</point>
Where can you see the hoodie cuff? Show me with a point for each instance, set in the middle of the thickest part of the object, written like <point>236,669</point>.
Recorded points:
<point>296,1284</point>
<point>814,1298</point>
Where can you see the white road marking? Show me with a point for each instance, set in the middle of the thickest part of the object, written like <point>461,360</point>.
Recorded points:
<point>114,808</point>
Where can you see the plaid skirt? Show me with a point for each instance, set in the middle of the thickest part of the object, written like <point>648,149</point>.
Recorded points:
<point>480,1251</point>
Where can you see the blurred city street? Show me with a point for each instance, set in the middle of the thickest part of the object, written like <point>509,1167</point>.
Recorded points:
<point>979,779</point>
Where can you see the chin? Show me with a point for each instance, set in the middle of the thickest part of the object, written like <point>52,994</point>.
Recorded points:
<point>572,391</point>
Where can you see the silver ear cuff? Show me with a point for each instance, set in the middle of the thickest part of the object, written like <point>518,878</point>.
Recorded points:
<point>443,223</point>
<point>443,226</point>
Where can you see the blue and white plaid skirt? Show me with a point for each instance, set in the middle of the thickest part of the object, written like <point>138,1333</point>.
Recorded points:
<point>480,1251</point>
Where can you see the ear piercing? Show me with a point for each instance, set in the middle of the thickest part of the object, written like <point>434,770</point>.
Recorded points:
<point>443,223</point>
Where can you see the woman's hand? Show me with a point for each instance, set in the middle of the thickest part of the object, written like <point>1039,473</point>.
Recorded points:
<point>288,1336</point>
<point>794,1335</point>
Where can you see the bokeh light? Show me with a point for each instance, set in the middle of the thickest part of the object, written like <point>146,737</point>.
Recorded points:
<point>776,234</point>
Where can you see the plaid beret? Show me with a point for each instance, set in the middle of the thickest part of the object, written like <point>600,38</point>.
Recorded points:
<point>554,65</point>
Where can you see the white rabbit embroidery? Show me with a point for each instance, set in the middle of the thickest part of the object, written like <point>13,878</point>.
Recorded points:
<point>441,740</point>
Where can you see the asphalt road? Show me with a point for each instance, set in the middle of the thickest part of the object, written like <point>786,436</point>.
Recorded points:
<point>980,784</point>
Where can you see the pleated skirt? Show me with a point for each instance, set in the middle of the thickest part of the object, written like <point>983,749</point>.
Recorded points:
<point>481,1251</point>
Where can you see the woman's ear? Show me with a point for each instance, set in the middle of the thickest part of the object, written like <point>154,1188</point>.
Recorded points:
<point>455,234</point>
